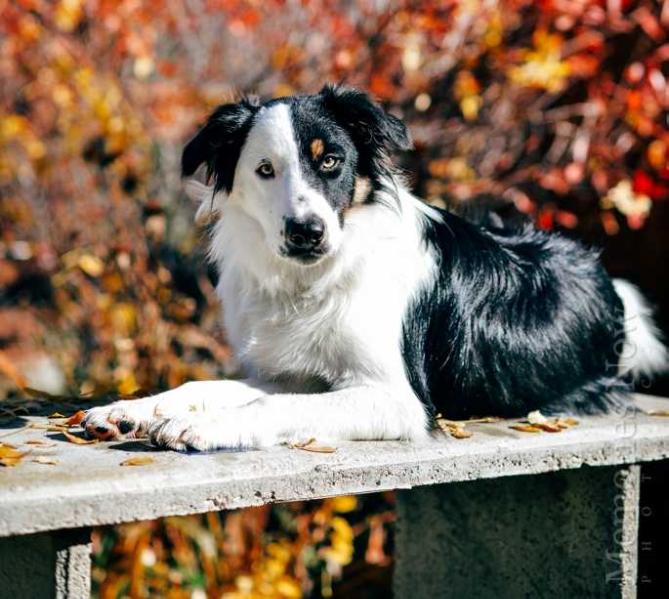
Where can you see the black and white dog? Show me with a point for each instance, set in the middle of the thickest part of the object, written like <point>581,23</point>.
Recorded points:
<point>359,312</point>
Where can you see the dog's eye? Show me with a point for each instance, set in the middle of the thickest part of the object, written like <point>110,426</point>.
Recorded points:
<point>265,170</point>
<point>329,162</point>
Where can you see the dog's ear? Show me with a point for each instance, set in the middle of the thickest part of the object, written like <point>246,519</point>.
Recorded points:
<point>219,142</point>
<point>375,132</point>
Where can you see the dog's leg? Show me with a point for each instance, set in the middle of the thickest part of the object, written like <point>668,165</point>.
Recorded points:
<point>361,413</point>
<point>132,418</point>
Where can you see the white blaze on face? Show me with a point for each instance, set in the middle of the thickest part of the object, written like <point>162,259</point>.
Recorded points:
<point>287,195</point>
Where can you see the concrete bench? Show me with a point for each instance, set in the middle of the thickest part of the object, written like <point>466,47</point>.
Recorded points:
<point>501,514</point>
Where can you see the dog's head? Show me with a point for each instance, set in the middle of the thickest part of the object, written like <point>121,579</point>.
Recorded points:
<point>294,165</point>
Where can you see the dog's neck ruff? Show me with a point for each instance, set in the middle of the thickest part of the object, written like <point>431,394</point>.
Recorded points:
<point>339,320</point>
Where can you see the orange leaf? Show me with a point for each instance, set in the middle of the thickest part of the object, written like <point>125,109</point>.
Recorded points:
<point>138,461</point>
<point>76,418</point>
<point>460,433</point>
<point>526,428</point>
<point>549,427</point>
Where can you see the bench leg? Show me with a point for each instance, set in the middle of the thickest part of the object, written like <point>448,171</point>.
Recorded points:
<point>563,534</point>
<point>46,565</point>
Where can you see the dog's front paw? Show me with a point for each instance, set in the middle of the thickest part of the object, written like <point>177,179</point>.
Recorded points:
<point>127,419</point>
<point>181,434</point>
<point>233,430</point>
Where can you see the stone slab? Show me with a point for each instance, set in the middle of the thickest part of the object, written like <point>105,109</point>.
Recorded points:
<point>89,487</point>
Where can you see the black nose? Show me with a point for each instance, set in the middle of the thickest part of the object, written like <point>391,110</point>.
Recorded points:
<point>304,234</point>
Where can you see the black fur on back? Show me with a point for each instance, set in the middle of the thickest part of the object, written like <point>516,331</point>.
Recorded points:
<point>515,321</point>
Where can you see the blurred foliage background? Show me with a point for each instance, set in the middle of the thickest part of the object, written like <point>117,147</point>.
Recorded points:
<point>557,107</point>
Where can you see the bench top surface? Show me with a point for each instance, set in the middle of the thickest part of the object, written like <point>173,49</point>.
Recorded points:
<point>88,485</point>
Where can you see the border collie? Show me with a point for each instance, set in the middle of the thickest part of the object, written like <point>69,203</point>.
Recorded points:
<point>359,312</point>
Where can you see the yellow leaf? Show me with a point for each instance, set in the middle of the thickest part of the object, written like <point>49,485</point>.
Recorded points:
<point>91,265</point>
<point>344,503</point>
<point>9,455</point>
<point>138,461</point>
<point>460,433</point>
<point>128,385</point>
<point>124,318</point>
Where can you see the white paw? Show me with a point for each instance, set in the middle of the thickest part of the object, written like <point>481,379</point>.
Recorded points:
<point>122,419</point>
<point>234,430</point>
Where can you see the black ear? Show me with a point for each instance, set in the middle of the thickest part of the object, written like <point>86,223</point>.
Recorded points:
<point>374,132</point>
<point>219,143</point>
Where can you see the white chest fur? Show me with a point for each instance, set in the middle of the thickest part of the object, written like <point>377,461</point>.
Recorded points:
<point>340,321</point>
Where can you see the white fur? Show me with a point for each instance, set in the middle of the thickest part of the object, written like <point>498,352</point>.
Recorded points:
<point>643,352</point>
<point>339,320</point>
<point>268,202</point>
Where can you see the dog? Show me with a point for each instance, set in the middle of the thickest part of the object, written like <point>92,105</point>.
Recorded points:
<point>359,312</point>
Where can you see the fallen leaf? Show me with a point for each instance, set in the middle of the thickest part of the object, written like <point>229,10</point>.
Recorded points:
<point>78,440</point>
<point>659,413</point>
<point>526,428</point>
<point>56,415</point>
<point>485,420</point>
<point>318,448</point>
<point>76,418</point>
<point>40,442</point>
<point>42,459</point>
<point>138,461</point>
<point>9,455</point>
<point>549,427</point>
<point>301,444</point>
<point>310,445</point>
<point>456,428</point>
<point>461,433</point>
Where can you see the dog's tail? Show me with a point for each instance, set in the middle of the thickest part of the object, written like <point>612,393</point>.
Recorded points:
<point>643,352</point>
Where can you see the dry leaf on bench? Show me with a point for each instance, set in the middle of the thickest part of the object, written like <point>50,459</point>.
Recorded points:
<point>40,442</point>
<point>42,459</point>
<point>138,461</point>
<point>454,428</point>
<point>460,433</point>
<point>9,455</point>
<point>526,428</point>
<point>536,422</point>
<point>549,427</point>
<point>76,418</point>
<point>310,445</point>
<point>566,422</point>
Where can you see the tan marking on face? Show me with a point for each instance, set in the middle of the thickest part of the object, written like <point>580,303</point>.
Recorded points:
<point>361,190</point>
<point>317,148</point>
